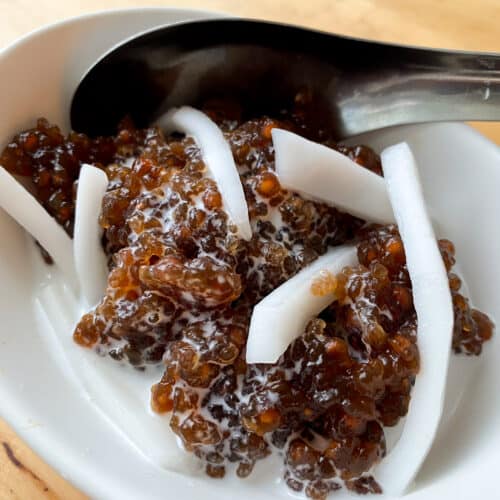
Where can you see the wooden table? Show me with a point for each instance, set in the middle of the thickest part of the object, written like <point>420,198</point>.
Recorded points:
<point>459,24</point>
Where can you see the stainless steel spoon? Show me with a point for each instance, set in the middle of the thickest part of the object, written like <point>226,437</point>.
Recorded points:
<point>350,85</point>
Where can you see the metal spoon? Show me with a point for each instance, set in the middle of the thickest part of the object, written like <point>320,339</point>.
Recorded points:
<point>349,85</point>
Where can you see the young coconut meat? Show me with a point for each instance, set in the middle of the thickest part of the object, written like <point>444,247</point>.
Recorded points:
<point>434,308</point>
<point>23,207</point>
<point>218,158</point>
<point>90,259</point>
<point>322,174</point>
<point>282,316</point>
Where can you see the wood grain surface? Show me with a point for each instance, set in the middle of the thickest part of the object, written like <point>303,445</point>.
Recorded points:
<point>458,24</point>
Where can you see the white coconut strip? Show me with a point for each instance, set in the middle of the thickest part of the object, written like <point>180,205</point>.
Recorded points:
<point>22,206</point>
<point>322,174</point>
<point>434,307</point>
<point>90,259</point>
<point>218,158</point>
<point>282,316</point>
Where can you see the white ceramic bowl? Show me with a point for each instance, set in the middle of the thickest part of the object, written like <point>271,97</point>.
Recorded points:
<point>461,176</point>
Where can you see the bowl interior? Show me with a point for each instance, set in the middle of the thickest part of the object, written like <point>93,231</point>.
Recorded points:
<point>460,175</point>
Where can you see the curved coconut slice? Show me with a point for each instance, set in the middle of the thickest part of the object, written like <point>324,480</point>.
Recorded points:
<point>22,206</point>
<point>90,259</point>
<point>282,316</point>
<point>218,158</point>
<point>434,307</point>
<point>322,174</point>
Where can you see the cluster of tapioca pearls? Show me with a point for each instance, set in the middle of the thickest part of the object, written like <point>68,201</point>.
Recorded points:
<point>53,162</point>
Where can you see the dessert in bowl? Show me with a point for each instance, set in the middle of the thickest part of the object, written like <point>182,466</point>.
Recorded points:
<point>207,249</point>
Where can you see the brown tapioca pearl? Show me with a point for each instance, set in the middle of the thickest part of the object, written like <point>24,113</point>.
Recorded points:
<point>200,281</point>
<point>403,347</point>
<point>455,282</point>
<point>308,413</point>
<point>267,184</point>
<point>379,274</point>
<point>86,333</point>
<point>484,324</point>
<point>403,298</point>
<point>226,354</point>
<point>29,141</point>
<point>447,250</point>
<point>196,430</point>
<point>114,206</point>
<point>363,156</point>
<point>246,448</point>
<point>319,490</point>
<point>237,335</point>
<point>240,153</point>
<point>16,160</point>
<point>152,244</point>
<point>244,469</point>
<point>392,407</point>
<point>383,245</point>
<point>215,471</point>
<point>349,425</point>
<point>264,422</point>
<point>258,210</point>
<point>324,284</point>
<point>369,377</point>
<point>125,136</point>
<point>337,350</point>
<point>136,223</point>
<point>394,247</point>
<point>212,200</point>
<point>351,279</point>
<point>353,455</point>
<point>294,484</point>
<point>181,355</point>
<point>185,398</point>
<point>200,376</point>
<point>326,468</point>
<point>267,128</point>
<point>375,336</point>
<point>302,459</point>
<point>360,406</point>
<point>60,178</point>
<point>60,207</point>
<point>335,423</point>
<point>43,180</point>
<point>214,458</point>
<point>161,397</point>
<point>471,327</point>
<point>364,485</point>
<point>196,218</point>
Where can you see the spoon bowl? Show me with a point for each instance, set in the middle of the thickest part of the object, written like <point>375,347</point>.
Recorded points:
<point>347,85</point>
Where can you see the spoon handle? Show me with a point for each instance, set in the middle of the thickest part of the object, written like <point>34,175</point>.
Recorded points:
<point>413,85</point>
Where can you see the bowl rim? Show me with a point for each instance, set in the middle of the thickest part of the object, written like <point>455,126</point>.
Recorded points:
<point>67,21</point>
